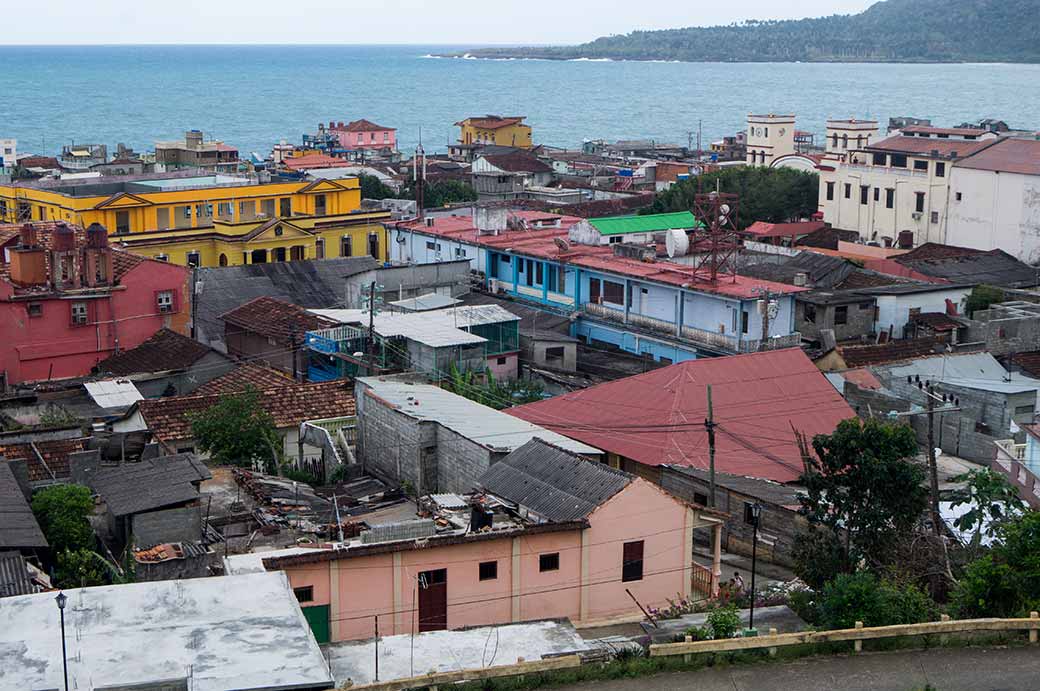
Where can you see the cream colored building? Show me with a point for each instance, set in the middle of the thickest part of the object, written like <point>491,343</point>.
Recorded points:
<point>769,137</point>
<point>894,191</point>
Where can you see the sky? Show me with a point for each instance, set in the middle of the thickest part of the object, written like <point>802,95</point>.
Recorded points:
<point>454,22</point>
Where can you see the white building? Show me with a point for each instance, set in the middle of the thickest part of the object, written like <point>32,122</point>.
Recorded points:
<point>769,137</point>
<point>8,153</point>
<point>995,200</point>
<point>894,191</point>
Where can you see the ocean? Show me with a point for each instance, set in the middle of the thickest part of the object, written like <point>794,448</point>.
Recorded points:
<point>253,96</point>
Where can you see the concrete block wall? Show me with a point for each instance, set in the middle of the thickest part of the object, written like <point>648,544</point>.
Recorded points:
<point>460,461</point>
<point>389,442</point>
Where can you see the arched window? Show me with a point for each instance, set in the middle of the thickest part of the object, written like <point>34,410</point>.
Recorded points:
<point>834,140</point>
<point>223,260</point>
<point>844,141</point>
<point>319,248</point>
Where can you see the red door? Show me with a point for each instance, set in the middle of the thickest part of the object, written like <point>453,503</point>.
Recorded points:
<point>433,600</point>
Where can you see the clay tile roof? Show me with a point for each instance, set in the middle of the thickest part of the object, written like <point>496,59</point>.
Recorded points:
<point>275,319</point>
<point>894,351</point>
<point>962,131</point>
<point>243,377</point>
<point>937,321</point>
<point>39,162</point>
<point>1029,362</point>
<point>765,230</point>
<point>122,261</point>
<point>165,350</point>
<point>1008,156</point>
<point>169,418</point>
<point>314,161</point>
<point>363,125</point>
<point>55,453</point>
<point>922,146</point>
<point>492,122</point>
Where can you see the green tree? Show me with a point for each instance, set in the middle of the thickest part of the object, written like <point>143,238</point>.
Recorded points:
<point>442,193</point>
<point>237,431</point>
<point>991,502</point>
<point>774,195</point>
<point>485,389</point>
<point>861,596</point>
<point>63,513</point>
<point>80,568</point>
<point>373,188</point>
<point>860,485</point>
<point>982,297</point>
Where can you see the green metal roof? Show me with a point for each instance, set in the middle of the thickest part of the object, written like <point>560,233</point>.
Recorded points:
<point>652,223</point>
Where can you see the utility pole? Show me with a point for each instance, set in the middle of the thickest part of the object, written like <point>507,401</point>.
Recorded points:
<point>371,327</point>
<point>709,425</point>
<point>933,468</point>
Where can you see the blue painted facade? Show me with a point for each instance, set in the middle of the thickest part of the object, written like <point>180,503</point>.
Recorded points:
<point>639,305</point>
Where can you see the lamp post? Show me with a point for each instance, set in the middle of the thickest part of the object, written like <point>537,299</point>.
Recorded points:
<point>756,514</point>
<point>61,599</point>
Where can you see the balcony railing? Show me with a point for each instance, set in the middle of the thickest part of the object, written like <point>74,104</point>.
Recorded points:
<point>709,339</point>
<point>1014,451</point>
<point>336,437</point>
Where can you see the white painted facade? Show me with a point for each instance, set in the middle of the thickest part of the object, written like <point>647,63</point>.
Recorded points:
<point>8,153</point>
<point>995,210</point>
<point>768,138</point>
<point>893,311</point>
<point>412,246</point>
<point>584,233</point>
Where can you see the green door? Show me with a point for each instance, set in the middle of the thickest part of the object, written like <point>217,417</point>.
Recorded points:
<point>318,618</point>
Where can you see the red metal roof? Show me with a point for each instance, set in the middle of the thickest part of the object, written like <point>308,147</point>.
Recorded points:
<point>768,230</point>
<point>924,146</point>
<point>314,161</point>
<point>363,125</point>
<point>956,131</point>
<point>658,417</point>
<point>1007,156</point>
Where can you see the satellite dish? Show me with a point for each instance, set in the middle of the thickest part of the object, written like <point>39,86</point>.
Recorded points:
<point>562,244</point>
<point>677,242</point>
<point>724,209</point>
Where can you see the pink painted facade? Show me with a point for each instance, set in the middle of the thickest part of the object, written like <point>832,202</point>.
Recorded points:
<point>43,336</point>
<point>586,586</point>
<point>505,366</point>
<point>364,135</point>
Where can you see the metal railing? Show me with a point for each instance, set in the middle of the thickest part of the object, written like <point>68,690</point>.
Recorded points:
<point>697,336</point>
<point>703,580</point>
<point>336,437</point>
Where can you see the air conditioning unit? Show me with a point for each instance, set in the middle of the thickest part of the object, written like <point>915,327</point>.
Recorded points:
<point>916,215</point>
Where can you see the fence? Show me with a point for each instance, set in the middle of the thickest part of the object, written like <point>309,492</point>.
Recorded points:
<point>437,678</point>
<point>857,635</point>
<point>702,580</point>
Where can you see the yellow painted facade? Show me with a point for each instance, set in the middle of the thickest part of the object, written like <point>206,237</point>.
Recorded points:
<point>217,225</point>
<point>495,131</point>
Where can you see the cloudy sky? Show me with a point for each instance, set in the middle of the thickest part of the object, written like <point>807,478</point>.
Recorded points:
<point>466,22</point>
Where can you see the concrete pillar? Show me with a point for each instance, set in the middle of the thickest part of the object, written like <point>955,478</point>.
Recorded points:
<point>398,619</point>
<point>586,549</point>
<point>335,607</point>
<point>687,546</point>
<point>716,560</point>
<point>514,576</point>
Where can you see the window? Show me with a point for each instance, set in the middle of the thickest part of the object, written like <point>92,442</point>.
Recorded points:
<point>35,309</point>
<point>538,273</point>
<point>555,355</point>
<point>898,160</point>
<point>304,594</point>
<point>285,207</point>
<point>501,361</point>
<point>435,246</point>
<point>78,313</point>
<point>319,248</point>
<point>460,253</point>
<point>890,197</point>
<point>164,301</point>
<point>122,221</point>
<point>1025,409</point>
<point>278,231</point>
<point>957,196</point>
<point>830,191</point>
<point>615,239</point>
<point>42,212</point>
<point>700,499</point>
<point>345,250</point>
<point>223,260</point>
<point>921,165</point>
<point>595,290</point>
<point>940,169</point>
<point>880,159</point>
<point>864,194</point>
<point>226,210</point>
<point>848,190</point>
<point>373,245</point>
<point>744,318</point>
<point>632,561</point>
<point>203,211</point>
<point>386,137</point>
<point>488,570</point>
<point>549,562</point>
<point>613,292</point>
<point>919,202</point>
<point>810,313</point>
<point>194,259</point>
<point>877,194</point>
<point>162,257</point>
<point>935,217</point>
<point>841,315</point>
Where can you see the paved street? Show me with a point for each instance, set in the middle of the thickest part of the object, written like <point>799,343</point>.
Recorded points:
<point>970,669</point>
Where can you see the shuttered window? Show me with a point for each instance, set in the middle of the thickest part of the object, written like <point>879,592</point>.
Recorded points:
<point>632,561</point>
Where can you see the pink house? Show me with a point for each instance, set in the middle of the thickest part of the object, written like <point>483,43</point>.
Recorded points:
<point>364,135</point>
<point>547,535</point>
<point>68,300</point>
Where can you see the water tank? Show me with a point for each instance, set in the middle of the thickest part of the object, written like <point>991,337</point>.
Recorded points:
<point>97,237</point>
<point>677,242</point>
<point>64,239</point>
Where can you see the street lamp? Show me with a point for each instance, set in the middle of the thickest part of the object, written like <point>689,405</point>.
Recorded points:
<point>61,599</point>
<point>756,515</point>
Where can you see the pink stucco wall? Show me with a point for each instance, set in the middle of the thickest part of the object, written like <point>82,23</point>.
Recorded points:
<point>364,140</point>
<point>641,512</point>
<point>508,369</point>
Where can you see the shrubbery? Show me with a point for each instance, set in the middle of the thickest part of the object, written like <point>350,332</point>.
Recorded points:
<point>863,597</point>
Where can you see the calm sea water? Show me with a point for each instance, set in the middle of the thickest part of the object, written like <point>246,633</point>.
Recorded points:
<point>252,96</point>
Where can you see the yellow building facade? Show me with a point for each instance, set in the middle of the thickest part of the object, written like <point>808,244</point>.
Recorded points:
<point>495,129</point>
<point>211,220</point>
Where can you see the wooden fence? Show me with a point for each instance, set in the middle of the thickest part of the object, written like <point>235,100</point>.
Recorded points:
<point>702,580</point>
<point>859,634</point>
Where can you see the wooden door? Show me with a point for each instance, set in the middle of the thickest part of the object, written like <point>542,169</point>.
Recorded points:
<point>433,600</point>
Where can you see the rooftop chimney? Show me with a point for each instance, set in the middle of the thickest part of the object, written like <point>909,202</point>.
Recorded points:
<point>97,257</point>
<point>28,260</point>
<point>63,258</point>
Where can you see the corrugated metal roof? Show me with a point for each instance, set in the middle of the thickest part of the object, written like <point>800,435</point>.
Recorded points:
<point>136,487</point>
<point>435,328</point>
<point>488,427</point>
<point>404,530</point>
<point>424,303</point>
<point>969,370</point>
<point>18,526</point>
<point>552,482</point>
<point>14,575</point>
<point>651,223</point>
<point>113,393</point>
<point>658,417</point>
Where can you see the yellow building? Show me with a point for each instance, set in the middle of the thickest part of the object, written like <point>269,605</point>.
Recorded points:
<point>495,129</point>
<point>210,220</point>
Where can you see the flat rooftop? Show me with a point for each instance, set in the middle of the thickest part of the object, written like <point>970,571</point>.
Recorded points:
<point>488,427</point>
<point>223,633</point>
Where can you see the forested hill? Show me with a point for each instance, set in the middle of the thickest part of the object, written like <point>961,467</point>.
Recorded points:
<point>888,31</point>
